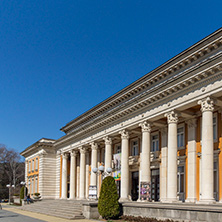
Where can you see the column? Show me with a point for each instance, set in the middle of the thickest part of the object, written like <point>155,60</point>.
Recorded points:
<point>108,152</point>
<point>73,154</point>
<point>163,166</point>
<point>191,154</point>
<point>64,175</point>
<point>82,172</point>
<point>98,175</point>
<point>207,151</point>
<point>145,155</point>
<point>172,120</point>
<point>87,176</point>
<point>78,177</point>
<point>124,196</point>
<point>94,147</point>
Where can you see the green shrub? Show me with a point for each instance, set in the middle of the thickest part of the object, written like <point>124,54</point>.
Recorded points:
<point>16,194</point>
<point>22,193</point>
<point>108,205</point>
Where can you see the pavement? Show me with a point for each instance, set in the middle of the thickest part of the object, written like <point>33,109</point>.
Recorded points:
<point>10,213</point>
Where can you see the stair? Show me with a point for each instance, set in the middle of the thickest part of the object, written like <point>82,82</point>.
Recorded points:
<point>68,209</point>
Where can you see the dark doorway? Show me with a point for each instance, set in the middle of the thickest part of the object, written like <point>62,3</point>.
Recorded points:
<point>135,186</point>
<point>155,184</point>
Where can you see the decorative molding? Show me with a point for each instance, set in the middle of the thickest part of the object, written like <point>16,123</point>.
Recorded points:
<point>146,127</point>
<point>82,150</point>
<point>124,135</point>
<point>65,155</point>
<point>206,104</point>
<point>172,117</point>
<point>94,146</point>
<point>73,153</point>
<point>108,140</point>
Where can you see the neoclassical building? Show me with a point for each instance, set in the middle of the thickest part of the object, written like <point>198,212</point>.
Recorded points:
<point>161,135</point>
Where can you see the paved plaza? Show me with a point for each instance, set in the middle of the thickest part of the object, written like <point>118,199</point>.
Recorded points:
<point>15,214</point>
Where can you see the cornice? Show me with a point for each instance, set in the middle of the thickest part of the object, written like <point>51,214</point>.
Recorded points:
<point>182,61</point>
<point>179,86</point>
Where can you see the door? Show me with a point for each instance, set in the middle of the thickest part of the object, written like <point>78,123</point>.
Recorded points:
<point>155,185</point>
<point>135,186</point>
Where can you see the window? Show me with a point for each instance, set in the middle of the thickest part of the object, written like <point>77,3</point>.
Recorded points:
<point>135,148</point>
<point>155,143</point>
<point>118,148</point>
<point>33,162</point>
<point>215,127</point>
<point>180,137</point>
<point>36,164</point>
<point>36,185</point>
<point>29,166</point>
<point>32,185</point>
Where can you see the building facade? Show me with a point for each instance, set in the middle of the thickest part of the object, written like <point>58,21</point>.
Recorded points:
<point>161,135</point>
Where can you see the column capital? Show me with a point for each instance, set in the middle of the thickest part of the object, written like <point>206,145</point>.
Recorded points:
<point>82,150</point>
<point>94,146</point>
<point>108,140</point>
<point>73,153</point>
<point>146,127</point>
<point>172,117</point>
<point>191,123</point>
<point>65,155</point>
<point>124,134</point>
<point>206,104</point>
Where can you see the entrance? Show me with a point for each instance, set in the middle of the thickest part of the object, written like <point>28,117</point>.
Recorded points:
<point>155,184</point>
<point>135,186</point>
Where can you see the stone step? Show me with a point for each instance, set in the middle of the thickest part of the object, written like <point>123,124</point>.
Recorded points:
<point>59,208</point>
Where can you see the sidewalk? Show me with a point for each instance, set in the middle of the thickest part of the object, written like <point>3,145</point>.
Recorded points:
<point>39,216</point>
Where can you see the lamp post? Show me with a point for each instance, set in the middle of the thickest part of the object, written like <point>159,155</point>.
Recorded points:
<point>9,186</point>
<point>101,171</point>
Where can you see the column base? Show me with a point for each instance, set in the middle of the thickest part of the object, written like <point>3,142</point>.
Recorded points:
<point>122,199</point>
<point>172,200</point>
<point>191,200</point>
<point>206,201</point>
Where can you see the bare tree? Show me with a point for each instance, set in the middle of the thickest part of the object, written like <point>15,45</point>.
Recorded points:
<point>11,168</point>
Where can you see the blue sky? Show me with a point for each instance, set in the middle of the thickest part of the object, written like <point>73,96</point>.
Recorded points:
<point>60,58</point>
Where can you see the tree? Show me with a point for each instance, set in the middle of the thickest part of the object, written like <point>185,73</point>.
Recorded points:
<point>108,205</point>
<point>11,170</point>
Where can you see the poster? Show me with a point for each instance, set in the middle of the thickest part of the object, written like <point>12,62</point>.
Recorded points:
<point>145,191</point>
<point>92,192</point>
<point>117,166</point>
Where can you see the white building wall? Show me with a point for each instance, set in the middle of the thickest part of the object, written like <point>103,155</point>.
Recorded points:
<point>48,174</point>
<point>58,159</point>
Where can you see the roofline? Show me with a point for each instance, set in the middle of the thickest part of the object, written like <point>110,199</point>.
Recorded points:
<point>139,80</point>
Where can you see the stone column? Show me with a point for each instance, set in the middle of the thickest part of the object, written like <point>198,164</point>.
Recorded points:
<point>191,177</point>
<point>82,172</point>
<point>98,175</point>
<point>163,166</point>
<point>145,155</point>
<point>94,147</point>
<point>87,176</point>
<point>78,177</point>
<point>172,120</point>
<point>73,154</point>
<point>207,150</point>
<point>124,196</point>
<point>64,176</point>
<point>108,152</point>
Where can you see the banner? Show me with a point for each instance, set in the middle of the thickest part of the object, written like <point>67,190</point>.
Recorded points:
<point>117,166</point>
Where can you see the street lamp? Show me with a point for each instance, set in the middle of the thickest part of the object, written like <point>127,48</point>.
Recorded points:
<point>101,170</point>
<point>9,186</point>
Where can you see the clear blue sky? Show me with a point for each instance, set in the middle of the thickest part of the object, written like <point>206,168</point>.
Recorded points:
<point>60,58</point>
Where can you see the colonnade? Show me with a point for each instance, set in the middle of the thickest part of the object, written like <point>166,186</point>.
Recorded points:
<point>169,160</point>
